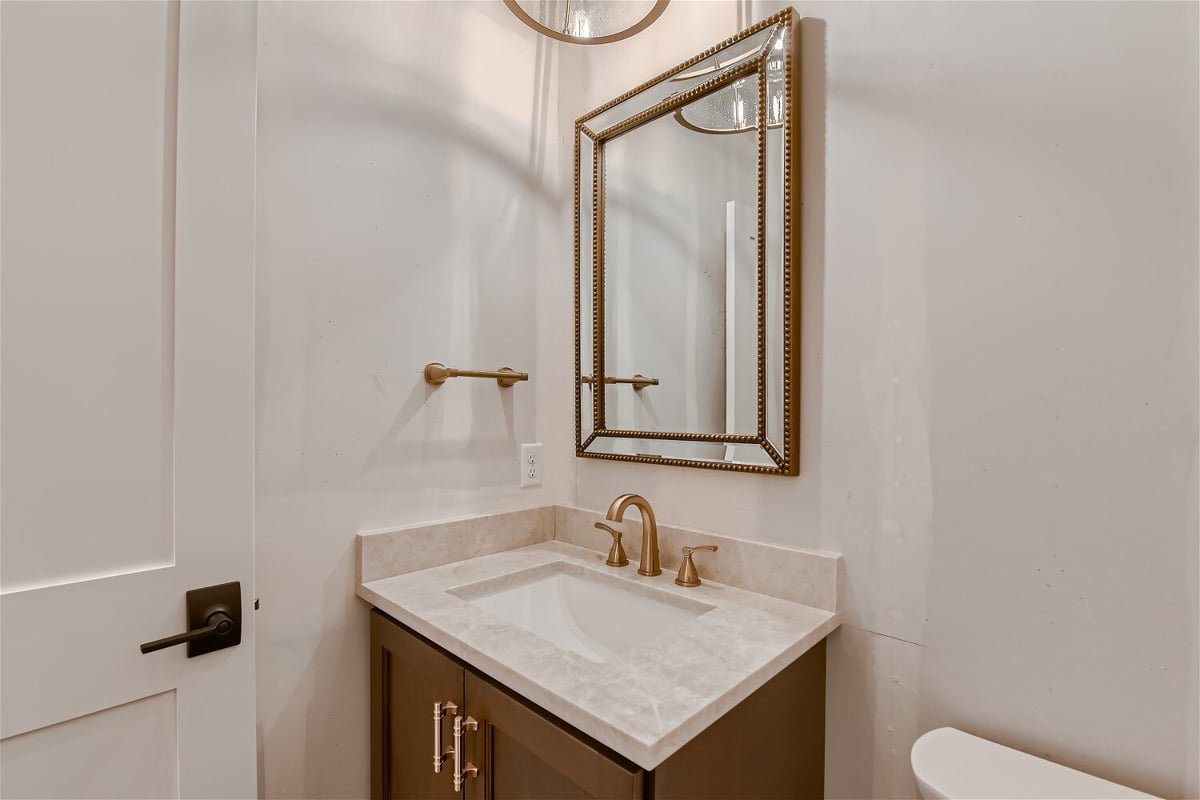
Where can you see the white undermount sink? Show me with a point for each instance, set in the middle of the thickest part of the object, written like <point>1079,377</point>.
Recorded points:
<point>587,612</point>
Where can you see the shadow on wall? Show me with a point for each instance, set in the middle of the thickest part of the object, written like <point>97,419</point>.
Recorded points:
<point>450,177</point>
<point>810,376</point>
<point>858,661</point>
<point>338,661</point>
<point>402,197</point>
<point>813,37</point>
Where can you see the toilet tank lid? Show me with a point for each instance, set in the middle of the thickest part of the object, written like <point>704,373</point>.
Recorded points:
<point>950,763</point>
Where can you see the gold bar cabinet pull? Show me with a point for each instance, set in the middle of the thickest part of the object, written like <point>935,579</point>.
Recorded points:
<point>440,710</point>
<point>461,772</point>
<point>436,374</point>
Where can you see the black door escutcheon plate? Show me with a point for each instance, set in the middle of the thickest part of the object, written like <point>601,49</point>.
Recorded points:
<point>203,603</point>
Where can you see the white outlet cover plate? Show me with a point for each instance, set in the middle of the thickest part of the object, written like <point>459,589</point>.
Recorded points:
<point>531,464</point>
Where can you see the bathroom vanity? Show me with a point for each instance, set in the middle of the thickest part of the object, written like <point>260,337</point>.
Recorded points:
<point>530,657</point>
<point>769,745</point>
<point>520,665</point>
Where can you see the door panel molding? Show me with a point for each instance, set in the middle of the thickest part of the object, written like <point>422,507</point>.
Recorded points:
<point>72,648</point>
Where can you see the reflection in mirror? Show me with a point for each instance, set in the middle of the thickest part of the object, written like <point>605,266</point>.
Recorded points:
<point>679,258</point>
<point>714,454</point>
<point>685,246</point>
<point>734,108</point>
<point>585,407</point>
<point>676,82</point>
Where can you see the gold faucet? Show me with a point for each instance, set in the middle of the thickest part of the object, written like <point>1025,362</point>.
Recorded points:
<point>649,561</point>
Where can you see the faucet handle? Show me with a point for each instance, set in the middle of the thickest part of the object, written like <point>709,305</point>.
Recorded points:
<point>616,556</point>
<point>687,570</point>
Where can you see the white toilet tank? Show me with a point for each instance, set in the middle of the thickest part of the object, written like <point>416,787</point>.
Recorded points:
<point>952,765</point>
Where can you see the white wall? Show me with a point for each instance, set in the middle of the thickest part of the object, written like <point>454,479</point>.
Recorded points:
<point>410,209</point>
<point>999,365</point>
<point>999,373</point>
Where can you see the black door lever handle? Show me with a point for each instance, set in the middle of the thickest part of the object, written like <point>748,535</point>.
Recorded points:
<point>214,621</point>
<point>219,624</point>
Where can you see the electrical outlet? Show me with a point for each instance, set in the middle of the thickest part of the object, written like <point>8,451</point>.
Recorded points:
<point>531,465</point>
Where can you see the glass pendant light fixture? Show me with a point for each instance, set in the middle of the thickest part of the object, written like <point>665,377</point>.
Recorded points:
<point>734,108</point>
<point>587,21</point>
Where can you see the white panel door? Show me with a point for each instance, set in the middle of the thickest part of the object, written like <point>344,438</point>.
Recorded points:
<point>126,394</point>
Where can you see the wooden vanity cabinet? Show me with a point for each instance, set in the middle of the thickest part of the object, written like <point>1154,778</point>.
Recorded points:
<point>524,754</point>
<point>771,745</point>
<point>408,675</point>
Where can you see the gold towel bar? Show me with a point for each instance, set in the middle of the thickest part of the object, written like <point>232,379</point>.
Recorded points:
<point>639,381</point>
<point>436,373</point>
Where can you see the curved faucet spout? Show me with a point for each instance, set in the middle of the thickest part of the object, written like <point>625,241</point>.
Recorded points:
<point>648,565</point>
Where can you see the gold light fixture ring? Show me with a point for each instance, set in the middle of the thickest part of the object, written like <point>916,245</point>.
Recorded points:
<point>654,13</point>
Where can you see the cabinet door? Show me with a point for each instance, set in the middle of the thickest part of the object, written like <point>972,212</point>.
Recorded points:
<point>771,746</point>
<point>523,755</point>
<point>408,676</point>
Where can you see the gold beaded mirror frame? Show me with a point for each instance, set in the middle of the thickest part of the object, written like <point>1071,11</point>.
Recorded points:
<point>747,90</point>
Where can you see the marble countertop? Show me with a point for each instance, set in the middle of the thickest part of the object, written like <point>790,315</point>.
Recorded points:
<point>647,702</point>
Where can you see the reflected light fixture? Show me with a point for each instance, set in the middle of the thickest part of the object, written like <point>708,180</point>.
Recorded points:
<point>587,21</point>
<point>734,108</point>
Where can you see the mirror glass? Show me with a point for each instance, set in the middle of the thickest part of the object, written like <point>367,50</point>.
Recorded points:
<point>686,291</point>
<point>680,262</point>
